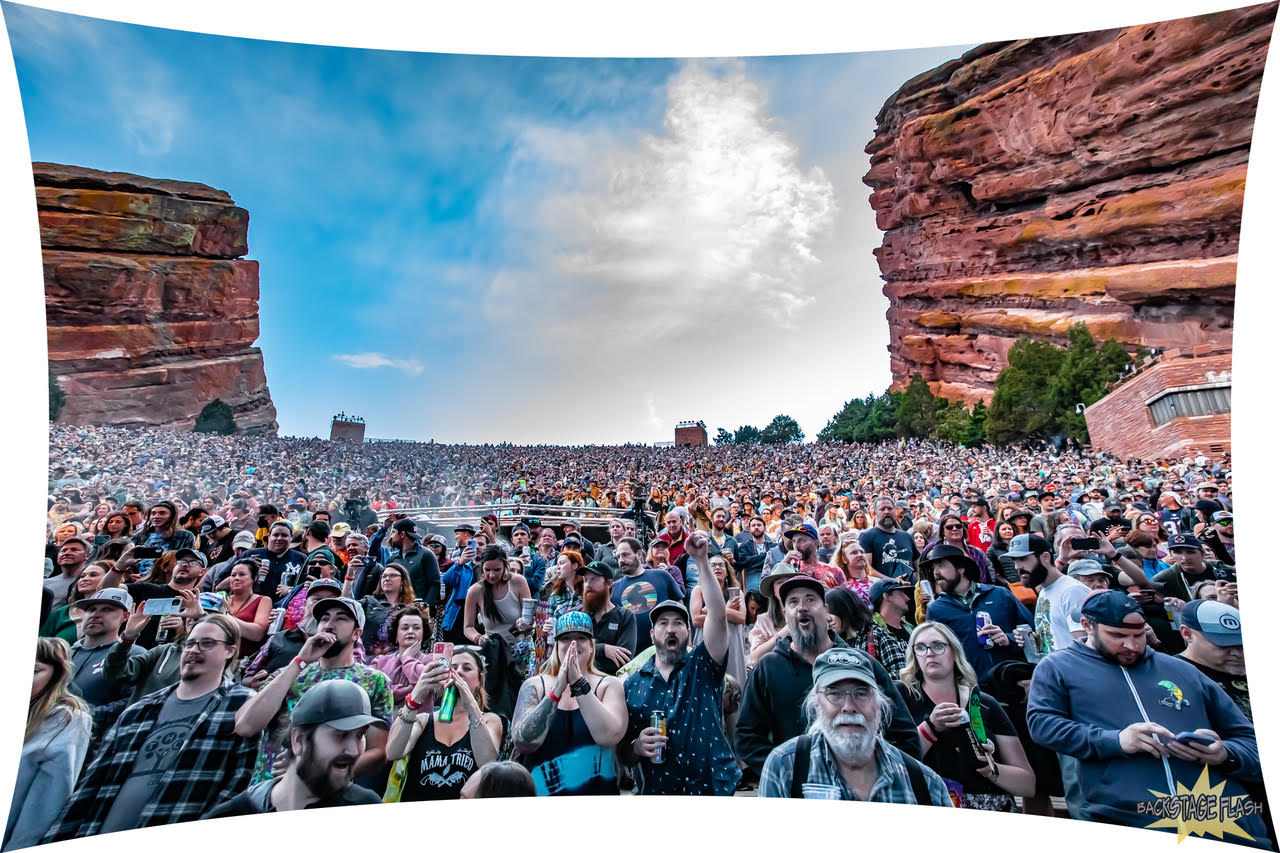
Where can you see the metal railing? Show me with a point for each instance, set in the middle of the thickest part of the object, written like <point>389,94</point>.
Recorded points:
<point>511,513</point>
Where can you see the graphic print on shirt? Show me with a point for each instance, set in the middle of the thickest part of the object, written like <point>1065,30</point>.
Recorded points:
<point>1174,700</point>
<point>445,770</point>
<point>640,597</point>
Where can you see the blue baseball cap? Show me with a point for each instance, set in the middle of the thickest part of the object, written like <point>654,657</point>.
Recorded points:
<point>1220,623</point>
<point>806,529</point>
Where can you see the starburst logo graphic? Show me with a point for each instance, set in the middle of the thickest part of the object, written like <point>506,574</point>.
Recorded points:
<point>1202,810</point>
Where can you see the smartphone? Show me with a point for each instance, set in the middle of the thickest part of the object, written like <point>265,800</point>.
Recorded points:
<point>161,606</point>
<point>145,553</point>
<point>445,651</point>
<point>1193,738</point>
<point>735,592</point>
<point>1090,543</point>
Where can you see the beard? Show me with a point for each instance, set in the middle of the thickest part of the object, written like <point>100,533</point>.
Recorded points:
<point>672,650</point>
<point>319,778</point>
<point>854,748</point>
<point>1038,575</point>
<point>594,602</point>
<point>806,638</point>
<point>337,648</point>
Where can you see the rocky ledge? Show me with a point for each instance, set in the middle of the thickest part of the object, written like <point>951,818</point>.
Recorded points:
<point>1094,178</point>
<point>151,311</point>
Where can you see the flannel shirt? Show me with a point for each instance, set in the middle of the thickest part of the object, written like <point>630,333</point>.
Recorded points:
<point>892,785</point>
<point>889,650</point>
<point>214,765</point>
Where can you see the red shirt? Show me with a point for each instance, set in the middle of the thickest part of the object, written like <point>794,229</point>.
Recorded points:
<point>982,533</point>
<point>677,548</point>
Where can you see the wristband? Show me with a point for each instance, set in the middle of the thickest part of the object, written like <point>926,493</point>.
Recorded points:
<point>412,704</point>
<point>300,662</point>
<point>928,721</point>
<point>926,732</point>
<point>555,700</point>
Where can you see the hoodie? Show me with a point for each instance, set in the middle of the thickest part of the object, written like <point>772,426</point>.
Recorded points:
<point>1080,701</point>
<point>772,705</point>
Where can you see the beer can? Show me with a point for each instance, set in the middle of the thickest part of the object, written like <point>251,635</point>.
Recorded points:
<point>1023,631</point>
<point>526,610</point>
<point>983,620</point>
<point>926,589</point>
<point>659,721</point>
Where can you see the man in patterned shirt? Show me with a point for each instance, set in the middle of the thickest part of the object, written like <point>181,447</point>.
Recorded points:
<point>844,755</point>
<point>326,655</point>
<point>687,688</point>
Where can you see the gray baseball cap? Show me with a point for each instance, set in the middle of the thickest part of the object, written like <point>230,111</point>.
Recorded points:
<point>339,703</point>
<point>842,664</point>
<point>1079,568</point>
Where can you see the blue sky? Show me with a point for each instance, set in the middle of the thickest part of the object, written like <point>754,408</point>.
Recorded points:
<point>482,248</point>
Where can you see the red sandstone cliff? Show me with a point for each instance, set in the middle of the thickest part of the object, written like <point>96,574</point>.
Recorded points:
<point>151,313</point>
<point>1092,178</point>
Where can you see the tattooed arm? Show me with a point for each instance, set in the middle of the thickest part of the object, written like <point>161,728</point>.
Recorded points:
<point>532,717</point>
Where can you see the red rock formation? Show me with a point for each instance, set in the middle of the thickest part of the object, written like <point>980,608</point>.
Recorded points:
<point>1094,178</point>
<point>151,314</point>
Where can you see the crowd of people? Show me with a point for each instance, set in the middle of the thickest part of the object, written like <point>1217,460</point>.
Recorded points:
<point>244,624</point>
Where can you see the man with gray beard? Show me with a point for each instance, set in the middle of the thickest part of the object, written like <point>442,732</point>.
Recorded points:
<point>843,755</point>
<point>772,701</point>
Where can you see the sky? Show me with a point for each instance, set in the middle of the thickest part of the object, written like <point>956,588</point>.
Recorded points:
<point>474,248</point>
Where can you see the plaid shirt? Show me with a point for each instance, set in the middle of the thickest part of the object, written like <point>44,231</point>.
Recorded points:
<point>888,649</point>
<point>213,765</point>
<point>891,786</point>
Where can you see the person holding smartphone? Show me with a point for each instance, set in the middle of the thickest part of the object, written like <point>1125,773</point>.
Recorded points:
<point>188,570</point>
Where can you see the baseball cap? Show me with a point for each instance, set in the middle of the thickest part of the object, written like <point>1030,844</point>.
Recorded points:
<point>1026,544</point>
<point>1113,504</point>
<point>405,525</point>
<point>114,595</point>
<point>204,561</point>
<point>842,664</point>
<point>1221,515</point>
<point>596,567</point>
<point>883,587</point>
<point>669,604</point>
<point>1184,540</point>
<point>211,523</point>
<point>339,703</point>
<point>1220,623</point>
<point>324,583</point>
<point>806,529</point>
<point>322,552</point>
<point>464,528</point>
<point>340,529</point>
<point>244,539</point>
<point>351,606</point>
<point>1110,607</point>
<point>1080,568</point>
<point>212,602</point>
<point>575,621</point>
<point>797,580</point>
<point>520,526</point>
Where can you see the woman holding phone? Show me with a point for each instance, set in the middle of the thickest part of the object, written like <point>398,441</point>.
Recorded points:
<point>442,754</point>
<point>250,610</point>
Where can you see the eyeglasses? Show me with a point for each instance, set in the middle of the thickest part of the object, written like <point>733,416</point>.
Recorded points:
<point>204,644</point>
<point>926,649</point>
<point>842,695</point>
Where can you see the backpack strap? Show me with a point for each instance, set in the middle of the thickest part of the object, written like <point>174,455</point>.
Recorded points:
<point>800,768</point>
<point>919,787</point>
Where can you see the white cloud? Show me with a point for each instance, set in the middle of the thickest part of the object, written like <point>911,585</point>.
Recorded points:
<point>371,360</point>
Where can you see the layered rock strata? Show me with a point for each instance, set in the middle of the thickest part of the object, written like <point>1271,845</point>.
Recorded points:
<point>1095,178</point>
<point>151,310</point>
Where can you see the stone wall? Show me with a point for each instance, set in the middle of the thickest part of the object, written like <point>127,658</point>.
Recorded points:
<point>1094,178</point>
<point>151,312</point>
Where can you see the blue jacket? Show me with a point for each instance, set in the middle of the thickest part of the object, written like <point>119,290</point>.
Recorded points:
<point>456,583</point>
<point>1005,610</point>
<point>1079,703</point>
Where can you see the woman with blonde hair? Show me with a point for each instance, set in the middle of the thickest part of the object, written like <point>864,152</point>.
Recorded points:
<point>851,559</point>
<point>569,718</point>
<point>441,755</point>
<point>940,688</point>
<point>53,749</point>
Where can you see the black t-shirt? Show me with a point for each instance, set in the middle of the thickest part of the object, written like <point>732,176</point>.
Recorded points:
<point>892,554</point>
<point>901,632</point>
<point>947,757</point>
<point>1102,525</point>
<point>1236,686</point>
